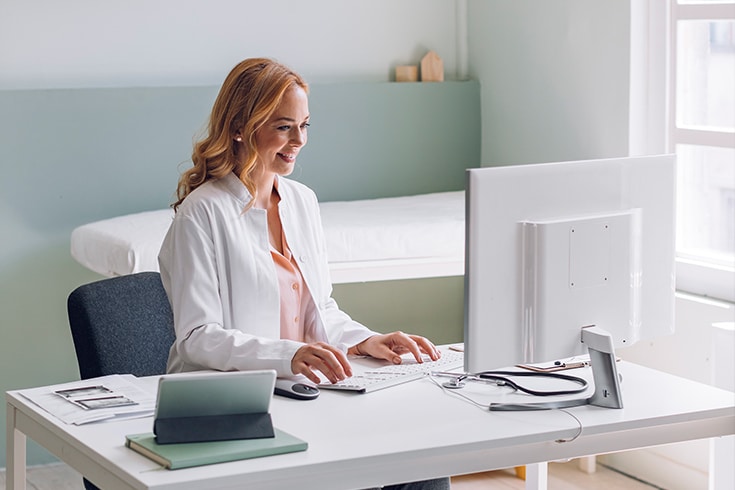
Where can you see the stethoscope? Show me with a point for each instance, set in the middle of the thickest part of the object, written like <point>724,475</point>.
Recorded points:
<point>503,378</point>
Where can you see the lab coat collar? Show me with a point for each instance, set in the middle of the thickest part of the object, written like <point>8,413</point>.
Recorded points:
<point>234,186</point>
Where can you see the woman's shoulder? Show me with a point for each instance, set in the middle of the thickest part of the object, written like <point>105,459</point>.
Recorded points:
<point>215,194</point>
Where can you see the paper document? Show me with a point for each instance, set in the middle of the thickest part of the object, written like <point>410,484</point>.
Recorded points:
<point>91,400</point>
<point>558,365</point>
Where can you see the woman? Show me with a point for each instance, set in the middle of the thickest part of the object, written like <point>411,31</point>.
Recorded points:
<point>244,261</point>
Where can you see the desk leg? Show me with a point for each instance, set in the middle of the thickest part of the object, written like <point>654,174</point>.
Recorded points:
<point>537,476</point>
<point>15,444</point>
<point>588,464</point>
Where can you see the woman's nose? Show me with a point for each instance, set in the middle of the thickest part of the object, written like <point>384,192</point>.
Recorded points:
<point>298,136</point>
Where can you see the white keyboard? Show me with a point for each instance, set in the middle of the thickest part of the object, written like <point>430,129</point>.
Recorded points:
<point>373,379</point>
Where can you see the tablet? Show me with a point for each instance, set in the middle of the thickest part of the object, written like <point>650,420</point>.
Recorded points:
<point>208,393</point>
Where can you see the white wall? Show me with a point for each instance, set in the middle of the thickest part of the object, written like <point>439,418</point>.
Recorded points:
<point>555,78</point>
<point>83,43</point>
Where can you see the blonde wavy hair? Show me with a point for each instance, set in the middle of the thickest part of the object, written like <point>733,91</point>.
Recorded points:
<point>249,95</point>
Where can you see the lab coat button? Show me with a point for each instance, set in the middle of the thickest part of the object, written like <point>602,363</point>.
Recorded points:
<point>304,258</point>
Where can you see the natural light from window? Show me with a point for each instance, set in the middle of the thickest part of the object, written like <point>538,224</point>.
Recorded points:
<point>703,137</point>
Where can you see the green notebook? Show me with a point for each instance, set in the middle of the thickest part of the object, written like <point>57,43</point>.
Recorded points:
<point>185,455</point>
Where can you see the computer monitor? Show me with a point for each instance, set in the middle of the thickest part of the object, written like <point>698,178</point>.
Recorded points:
<point>553,249</point>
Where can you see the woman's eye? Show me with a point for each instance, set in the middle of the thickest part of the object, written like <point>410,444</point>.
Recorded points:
<point>287,128</point>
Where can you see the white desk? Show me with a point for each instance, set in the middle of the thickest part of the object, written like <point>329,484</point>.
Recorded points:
<point>411,432</point>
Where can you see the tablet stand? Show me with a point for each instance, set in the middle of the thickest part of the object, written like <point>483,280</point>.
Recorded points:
<point>207,428</point>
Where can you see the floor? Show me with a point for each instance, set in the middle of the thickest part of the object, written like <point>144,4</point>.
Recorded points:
<point>562,476</point>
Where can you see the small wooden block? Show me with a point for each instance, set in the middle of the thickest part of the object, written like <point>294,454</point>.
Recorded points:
<point>407,73</point>
<point>432,68</point>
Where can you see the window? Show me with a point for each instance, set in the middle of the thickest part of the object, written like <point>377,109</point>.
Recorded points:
<point>702,134</point>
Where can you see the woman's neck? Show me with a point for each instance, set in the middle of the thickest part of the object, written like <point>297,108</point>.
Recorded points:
<point>265,187</point>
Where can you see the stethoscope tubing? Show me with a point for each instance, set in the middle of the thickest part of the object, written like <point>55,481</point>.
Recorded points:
<point>502,378</point>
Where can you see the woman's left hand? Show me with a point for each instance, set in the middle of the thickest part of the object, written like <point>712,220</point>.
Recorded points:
<point>391,346</point>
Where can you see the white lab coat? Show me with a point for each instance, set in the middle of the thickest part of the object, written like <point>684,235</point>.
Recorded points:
<point>217,269</point>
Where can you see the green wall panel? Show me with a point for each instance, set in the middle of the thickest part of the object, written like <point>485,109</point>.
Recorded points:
<point>71,156</point>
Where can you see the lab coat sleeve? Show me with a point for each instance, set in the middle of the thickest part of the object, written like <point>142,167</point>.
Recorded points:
<point>342,330</point>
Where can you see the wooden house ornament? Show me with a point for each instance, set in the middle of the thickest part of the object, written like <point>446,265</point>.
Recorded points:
<point>432,68</point>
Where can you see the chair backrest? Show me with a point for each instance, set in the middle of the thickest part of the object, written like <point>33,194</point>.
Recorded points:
<point>121,325</point>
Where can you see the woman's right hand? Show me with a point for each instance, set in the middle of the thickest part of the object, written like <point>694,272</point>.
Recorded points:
<point>323,357</point>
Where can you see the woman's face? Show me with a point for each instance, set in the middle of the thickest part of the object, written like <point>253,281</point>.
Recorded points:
<point>284,134</point>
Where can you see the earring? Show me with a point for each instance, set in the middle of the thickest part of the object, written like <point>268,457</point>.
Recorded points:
<point>239,139</point>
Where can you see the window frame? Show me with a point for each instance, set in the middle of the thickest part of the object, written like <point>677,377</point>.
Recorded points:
<point>653,127</point>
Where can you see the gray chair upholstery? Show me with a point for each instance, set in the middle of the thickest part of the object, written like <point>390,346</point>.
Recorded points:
<point>121,325</point>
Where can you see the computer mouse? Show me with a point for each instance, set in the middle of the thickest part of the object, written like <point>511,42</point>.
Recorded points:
<point>295,389</point>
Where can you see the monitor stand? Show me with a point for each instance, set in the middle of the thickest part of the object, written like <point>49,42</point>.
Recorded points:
<point>604,370</point>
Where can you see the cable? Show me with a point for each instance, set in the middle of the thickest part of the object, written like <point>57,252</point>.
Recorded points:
<point>579,422</point>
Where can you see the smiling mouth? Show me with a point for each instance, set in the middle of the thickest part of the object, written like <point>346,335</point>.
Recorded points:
<point>289,157</point>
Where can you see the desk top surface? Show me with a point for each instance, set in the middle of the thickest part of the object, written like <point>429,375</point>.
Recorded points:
<point>418,430</point>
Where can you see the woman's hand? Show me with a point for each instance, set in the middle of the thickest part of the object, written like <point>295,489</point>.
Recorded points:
<point>323,357</point>
<point>390,347</point>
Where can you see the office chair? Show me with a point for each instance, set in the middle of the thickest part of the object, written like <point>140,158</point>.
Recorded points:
<point>121,325</point>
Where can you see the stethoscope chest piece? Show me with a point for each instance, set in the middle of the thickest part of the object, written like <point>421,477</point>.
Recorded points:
<point>453,384</point>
